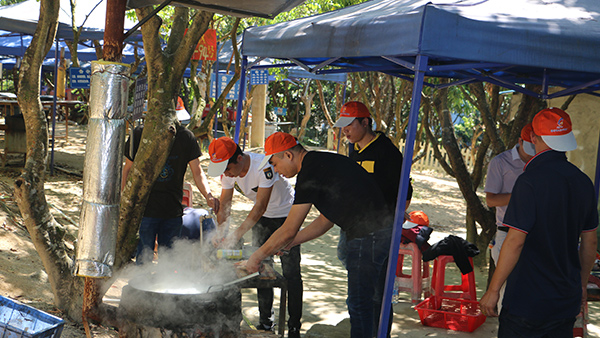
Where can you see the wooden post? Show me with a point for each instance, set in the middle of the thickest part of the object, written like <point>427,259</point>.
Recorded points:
<point>113,30</point>
<point>112,51</point>
<point>259,106</point>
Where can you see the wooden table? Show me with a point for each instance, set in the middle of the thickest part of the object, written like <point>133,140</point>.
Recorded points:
<point>63,107</point>
<point>15,139</point>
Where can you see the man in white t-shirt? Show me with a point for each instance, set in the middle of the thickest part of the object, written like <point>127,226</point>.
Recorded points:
<point>273,197</point>
<point>503,171</point>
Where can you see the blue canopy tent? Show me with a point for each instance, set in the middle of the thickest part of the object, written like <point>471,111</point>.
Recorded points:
<point>505,42</point>
<point>15,44</point>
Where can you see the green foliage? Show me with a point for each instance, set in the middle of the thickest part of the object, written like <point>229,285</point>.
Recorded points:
<point>9,2</point>
<point>308,8</point>
<point>466,117</point>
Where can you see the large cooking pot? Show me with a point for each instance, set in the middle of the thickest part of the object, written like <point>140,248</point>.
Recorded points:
<point>174,304</point>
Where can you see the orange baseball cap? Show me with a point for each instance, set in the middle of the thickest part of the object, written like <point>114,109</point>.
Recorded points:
<point>220,151</point>
<point>417,217</point>
<point>350,111</point>
<point>528,147</point>
<point>276,143</point>
<point>554,126</point>
<point>182,113</point>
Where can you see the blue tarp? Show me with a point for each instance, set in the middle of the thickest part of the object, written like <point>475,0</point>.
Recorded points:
<point>14,44</point>
<point>517,41</point>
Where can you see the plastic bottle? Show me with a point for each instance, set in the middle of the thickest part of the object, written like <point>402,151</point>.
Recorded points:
<point>229,254</point>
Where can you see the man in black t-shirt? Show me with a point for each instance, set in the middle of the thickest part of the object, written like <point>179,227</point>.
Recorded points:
<point>345,195</point>
<point>162,219</point>
<point>376,153</point>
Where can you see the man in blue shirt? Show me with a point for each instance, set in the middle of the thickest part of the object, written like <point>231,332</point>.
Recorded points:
<point>550,247</point>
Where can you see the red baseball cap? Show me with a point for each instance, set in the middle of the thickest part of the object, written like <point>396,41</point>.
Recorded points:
<point>350,111</point>
<point>417,217</point>
<point>528,147</point>
<point>554,126</point>
<point>220,151</point>
<point>276,143</point>
<point>182,113</point>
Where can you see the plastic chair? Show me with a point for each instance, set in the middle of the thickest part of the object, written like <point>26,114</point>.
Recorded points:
<point>187,195</point>
<point>465,290</point>
<point>419,280</point>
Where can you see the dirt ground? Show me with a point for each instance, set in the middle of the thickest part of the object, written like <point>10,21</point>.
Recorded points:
<point>22,276</point>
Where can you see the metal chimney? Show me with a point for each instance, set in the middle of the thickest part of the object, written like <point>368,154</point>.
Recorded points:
<point>102,170</point>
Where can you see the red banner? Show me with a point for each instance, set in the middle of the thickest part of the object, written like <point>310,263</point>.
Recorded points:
<point>207,47</point>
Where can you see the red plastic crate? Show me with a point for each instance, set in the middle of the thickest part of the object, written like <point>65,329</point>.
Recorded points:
<point>450,313</point>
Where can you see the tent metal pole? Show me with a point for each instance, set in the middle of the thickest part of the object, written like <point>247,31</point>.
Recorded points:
<point>386,304</point>
<point>217,93</point>
<point>597,178</point>
<point>54,108</point>
<point>144,20</point>
<point>340,129</point>
<point>240,103</point>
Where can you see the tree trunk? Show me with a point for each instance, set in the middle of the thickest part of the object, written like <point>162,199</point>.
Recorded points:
<point>46,234</point>
<point>165,72</point>
<point>475,207</point>
<point>307,100</point>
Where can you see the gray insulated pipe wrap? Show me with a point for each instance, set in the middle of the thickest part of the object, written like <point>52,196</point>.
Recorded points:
<point>102,170</point>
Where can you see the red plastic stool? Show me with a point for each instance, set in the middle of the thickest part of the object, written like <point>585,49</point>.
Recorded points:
<point>187,198</point>
<point>465,290</point>
<point>580,327</point>
<point>419,281</point>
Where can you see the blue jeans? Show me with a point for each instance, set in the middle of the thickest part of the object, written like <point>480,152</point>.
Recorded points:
<point>511,326</point>
<point>365,261</point>
<point>151,228</point>
<point>290,266</point>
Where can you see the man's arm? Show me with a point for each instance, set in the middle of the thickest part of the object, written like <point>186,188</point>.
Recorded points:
<point>587,256</point>
<point>280,238</point>
<point>315,229</point>
<point>509,256</point>
<point>126,169</point>
<point>496,200</point>
<point>263,195</point>
<point>224,205</point>
<point>202,184</point>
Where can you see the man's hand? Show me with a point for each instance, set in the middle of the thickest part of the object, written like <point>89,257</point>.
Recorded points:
<point>253,264</point>
<point>213,202</point>
<point>489,304</point>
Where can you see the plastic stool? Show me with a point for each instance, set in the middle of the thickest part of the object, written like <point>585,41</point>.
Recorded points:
<point>187,195</point>
<point>419,281</point>
<point>466,290</point>
<point>580,327</point>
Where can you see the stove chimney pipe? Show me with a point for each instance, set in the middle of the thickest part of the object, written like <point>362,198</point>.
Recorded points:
<point>103,164</point>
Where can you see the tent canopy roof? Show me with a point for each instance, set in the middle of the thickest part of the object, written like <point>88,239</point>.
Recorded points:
<point>550,42</point>
<point>240,8</point>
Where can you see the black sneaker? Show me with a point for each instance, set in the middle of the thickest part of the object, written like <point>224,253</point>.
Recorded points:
<point>293,332</point>
<point>264,327</point>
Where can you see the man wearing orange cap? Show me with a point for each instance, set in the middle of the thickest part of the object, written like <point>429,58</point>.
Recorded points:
<point>502,173</point>
<point>346,195</point>
<point>272,196</point>
<point>550,247</point>
<point>162,219</point>
<point>376,153</point>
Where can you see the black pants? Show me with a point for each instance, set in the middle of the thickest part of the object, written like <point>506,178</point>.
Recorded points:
<point>290,265</point>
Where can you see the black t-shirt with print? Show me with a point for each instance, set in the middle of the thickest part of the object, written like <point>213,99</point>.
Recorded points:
<point>382,159</point>
<point>167,191</point>
<point>343,192</point>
